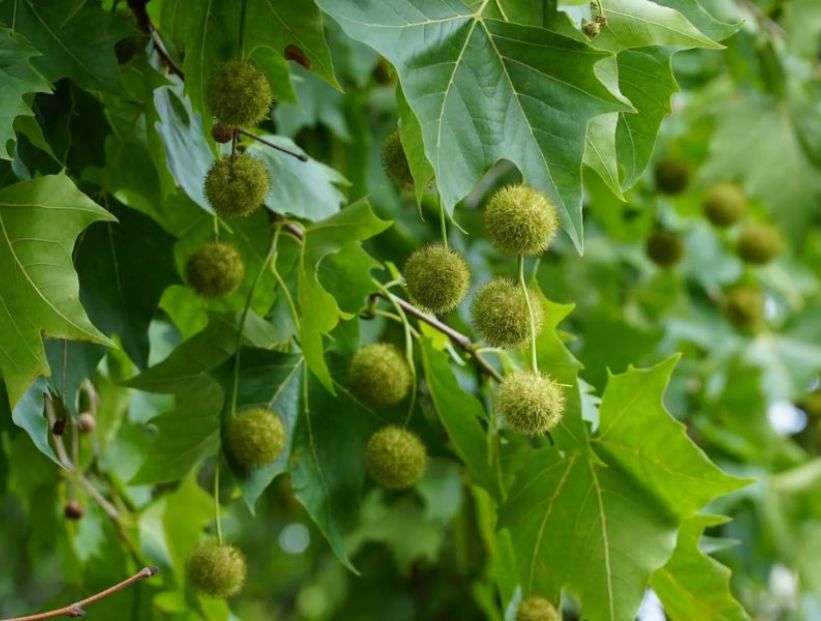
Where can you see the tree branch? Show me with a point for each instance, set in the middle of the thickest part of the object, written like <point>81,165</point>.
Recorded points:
<point>77,609</point>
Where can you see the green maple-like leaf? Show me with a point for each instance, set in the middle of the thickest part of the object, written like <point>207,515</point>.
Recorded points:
<point>39,291</point>
<point>600,526</point>
<point>78,45</point>
<point>319,310</point>
<point>19,78</point>
<point>485,90</point>
<point>692,585</point>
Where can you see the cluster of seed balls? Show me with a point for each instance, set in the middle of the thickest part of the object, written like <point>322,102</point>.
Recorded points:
<point>238,94</point>
<point>519,221</point>
<point>724,205</point>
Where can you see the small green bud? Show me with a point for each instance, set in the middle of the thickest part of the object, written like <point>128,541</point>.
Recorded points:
<point>395,458</point>
<point>254,438</point>
<point>500,314</point>
<point>380,375</point>
<point>437,278</point>
<point>238,93</point>
<point>724,204</point>
<point>216,570</point>
<point>672,175</point>
<point>744,307</point>
<point>537,609</point>
<point>236,185</point>
<point>759,243</point>
<point>395,162</point>
<point>520,220</point>
<point>531,403</point>
<point>664,248</point>
<point>215,270</point>
<point>86,422</point>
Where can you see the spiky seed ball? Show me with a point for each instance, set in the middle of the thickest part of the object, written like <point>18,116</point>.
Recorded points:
<point>236,185</point>
<point>221,133</point>
<point>500,314</point>
<point>437,278</point>
<point>537,609</point>
<point>521,220</point>
<point>380,375</point>
<point>214,270</point>
<point>216,570</point>
<point>759,243</point>
<point>238,93</point>
<point>744,307</point>
<point>724,204</point>
<point>664,248</point>
<point>254,439</point>
<point>531,403</point>
<point>395,162</point>
<point>672,175</point>
<point>395,458</point>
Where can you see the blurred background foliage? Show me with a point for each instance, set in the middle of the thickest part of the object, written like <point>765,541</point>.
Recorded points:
<point>124,132</point>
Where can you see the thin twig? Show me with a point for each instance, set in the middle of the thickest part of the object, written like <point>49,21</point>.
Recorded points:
<point>300,156</point>
<point>77,609</point>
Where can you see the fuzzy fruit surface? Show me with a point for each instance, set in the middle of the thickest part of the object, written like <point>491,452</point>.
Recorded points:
<point>236,185</point>
<point>395,458</point>
<point>380,375</point>
<point>437,278</point>
<point>214,270</point>
<point>759,243</point>
<point>520,220</point>
<point>238,93</point>
<point>664,248</point>
<point>531,403</point>
<point>672,175</point>
<point>254,438</point>
<point>724,204</point>
<point>744,307</point>
<point>216,570</point>
<point>537,609</point>
<point>500,314</point>
<point>395,162</point>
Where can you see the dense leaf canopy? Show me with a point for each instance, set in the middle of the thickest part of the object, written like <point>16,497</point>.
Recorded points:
<point>658,453</point>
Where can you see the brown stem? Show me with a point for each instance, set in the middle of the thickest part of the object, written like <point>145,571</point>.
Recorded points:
<point>77,609</point>
<point>457,337</point>
<point>301,157</point>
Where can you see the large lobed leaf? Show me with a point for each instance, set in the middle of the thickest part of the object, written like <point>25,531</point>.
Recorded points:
<point>599,527</point>
<point>39,290</point>
<point>19,79</point>
<point>485,90</point>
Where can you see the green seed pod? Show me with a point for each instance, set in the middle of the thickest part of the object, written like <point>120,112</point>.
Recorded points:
<point>664,248</point>
<point>672,175</point>
<point>236,185</point>
<point>500,314</point>
<point>724,204</point>
<point>520,220</point>
<point>254,439</point>
<point>395,162</point>
<point>759,243</point>
<point>395,458</point>
<point>537,609</point>
<point>380,375</point>
<point>531,403</point>
<point>216,570</point>
<point>238,93</point>
<point>215,270</point>
<point>744,307</point>
<point>437,278</point>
